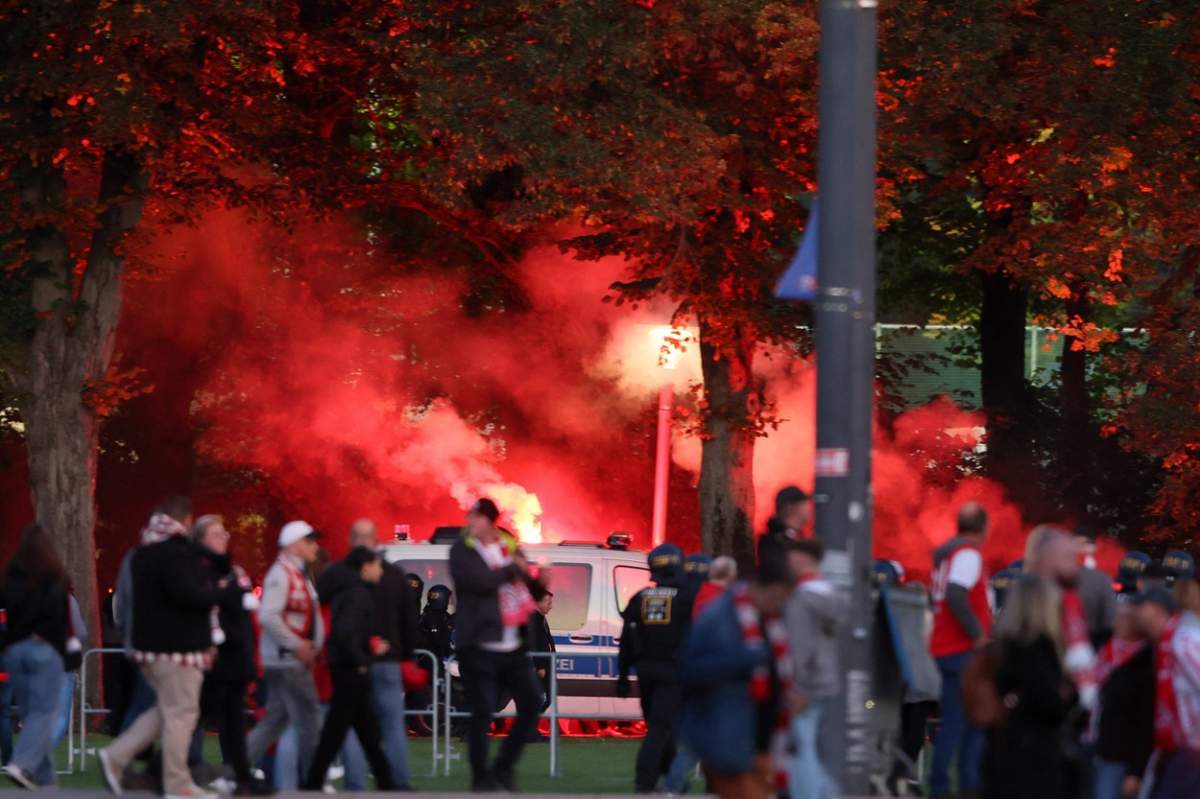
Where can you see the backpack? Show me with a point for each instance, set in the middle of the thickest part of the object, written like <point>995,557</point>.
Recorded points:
<point>982,701</point>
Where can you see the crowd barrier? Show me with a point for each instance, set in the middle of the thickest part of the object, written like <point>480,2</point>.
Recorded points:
<point>440,714</point>
<point>552,713</point>
<point>86,710</point>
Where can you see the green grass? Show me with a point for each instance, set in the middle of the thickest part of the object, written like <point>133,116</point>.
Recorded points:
<point>586,765</point>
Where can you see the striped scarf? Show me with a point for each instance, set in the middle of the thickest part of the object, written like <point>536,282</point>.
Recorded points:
<point>757,632</point>
<point>1079,658</point>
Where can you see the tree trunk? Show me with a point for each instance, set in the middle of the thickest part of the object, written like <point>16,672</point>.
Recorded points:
<point>1003,383</point>
<point>69,354</point>
<point>727,453</point>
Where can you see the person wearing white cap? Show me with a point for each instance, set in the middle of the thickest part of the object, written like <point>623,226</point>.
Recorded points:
<point>291,640</point>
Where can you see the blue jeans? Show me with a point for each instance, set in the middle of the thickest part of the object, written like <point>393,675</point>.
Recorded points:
<point>956,740</point>
<point>679,776</point>
<point>141,699</point>
<point>387,685</point>
<point>808,778</point>
<point>36,671</point>
<point>286,768</point>
<point>6,701</point>
<point>64,715</point>
<point>1107,779</point>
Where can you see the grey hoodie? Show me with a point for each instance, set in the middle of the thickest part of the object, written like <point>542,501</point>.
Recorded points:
<point>813,616</point>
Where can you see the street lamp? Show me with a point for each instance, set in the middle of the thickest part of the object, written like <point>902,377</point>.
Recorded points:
<point>667,345</point>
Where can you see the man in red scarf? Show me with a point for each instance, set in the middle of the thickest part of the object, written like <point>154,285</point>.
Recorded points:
<point>293,633</point>
<point>736,668</point>
<point>1175,768</point>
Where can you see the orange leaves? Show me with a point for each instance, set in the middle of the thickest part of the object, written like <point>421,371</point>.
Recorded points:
<point>1057,288</point>
<point>1117,159</point>
<point>1108,60</point>
<point>1116,264</point>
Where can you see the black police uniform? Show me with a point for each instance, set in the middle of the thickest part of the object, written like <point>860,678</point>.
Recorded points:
<point>656,621</point>
<point>437,623</point>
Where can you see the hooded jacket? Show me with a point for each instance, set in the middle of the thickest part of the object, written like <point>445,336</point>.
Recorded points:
<point>814,614</point>
<point>353,619</point>
<point>393,617</point>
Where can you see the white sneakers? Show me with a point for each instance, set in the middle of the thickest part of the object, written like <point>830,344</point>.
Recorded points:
<point>112,779</point>
<point>19,778</point>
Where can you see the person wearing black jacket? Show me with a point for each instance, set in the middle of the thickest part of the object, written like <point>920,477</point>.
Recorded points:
<point>541,639</point>
<point>35,598</point>
<point>172,641</point>
<point>497,589</point>
<point>352,648</point>
<point>1124,722</point>
<point>223,696</point>
<point>1024,755</point>
<point>395,622</point>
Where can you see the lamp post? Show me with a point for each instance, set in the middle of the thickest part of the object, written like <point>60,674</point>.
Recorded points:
<point>666,344</point>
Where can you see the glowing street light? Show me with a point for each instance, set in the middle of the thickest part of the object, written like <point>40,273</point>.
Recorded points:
<point>668,347</point>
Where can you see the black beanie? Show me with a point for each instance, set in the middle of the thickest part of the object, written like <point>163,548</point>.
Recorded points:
<point>787,497</point>
<point>485,507</point>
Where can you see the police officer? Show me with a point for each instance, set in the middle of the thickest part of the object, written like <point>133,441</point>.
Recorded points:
<point>437,623</point>
<point>416,590</point>
<point>695,574</point>
<point>1130,571</point>
<point>656,621</point>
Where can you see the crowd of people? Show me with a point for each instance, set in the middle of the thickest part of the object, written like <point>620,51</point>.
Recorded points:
<point>1048,679</point>
<point>1059,680</point>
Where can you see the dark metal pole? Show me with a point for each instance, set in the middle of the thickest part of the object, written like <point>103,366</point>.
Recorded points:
<point>845,333</point>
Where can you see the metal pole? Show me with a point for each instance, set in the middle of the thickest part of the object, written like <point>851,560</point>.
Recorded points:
<point>553,714</point>
<point>662,463</point>
<point>446,749</point>
<point>845,336</point>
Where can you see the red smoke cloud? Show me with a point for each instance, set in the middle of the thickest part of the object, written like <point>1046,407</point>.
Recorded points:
<point>345,382</point>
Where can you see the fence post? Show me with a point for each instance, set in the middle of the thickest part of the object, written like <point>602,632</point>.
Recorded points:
<point>446,753</point>
<point>553,714</point>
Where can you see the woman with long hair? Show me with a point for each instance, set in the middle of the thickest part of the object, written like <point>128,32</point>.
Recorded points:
<point>35,597</point>
<point>1024,754</point>
<point>223,696</point>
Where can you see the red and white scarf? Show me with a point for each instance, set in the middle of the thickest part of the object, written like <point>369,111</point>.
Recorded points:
<point>299,612</point>
<point>1113,655</point>
<point>1079,659</point>
<point>516,602</point>
<point>754,628</point>
<point>1168,734</point>
<point>757,632</point>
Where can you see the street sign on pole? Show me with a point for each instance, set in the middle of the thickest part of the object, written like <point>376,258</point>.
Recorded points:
<point>844,312</point>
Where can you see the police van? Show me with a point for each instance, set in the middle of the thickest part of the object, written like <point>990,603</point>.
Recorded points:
<point>592,583</point>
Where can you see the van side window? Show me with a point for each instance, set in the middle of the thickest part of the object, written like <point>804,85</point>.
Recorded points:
<point>628,580</point>
<point>572,587</point>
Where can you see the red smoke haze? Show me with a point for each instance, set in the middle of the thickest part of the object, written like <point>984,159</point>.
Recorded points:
<point>336,381</point>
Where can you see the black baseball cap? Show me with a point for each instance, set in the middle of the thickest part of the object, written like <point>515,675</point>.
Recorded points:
<point>1157,595</point>
<point>485,507</point>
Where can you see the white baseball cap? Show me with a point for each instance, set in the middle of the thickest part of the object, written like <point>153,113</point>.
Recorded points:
<point>294,531</point>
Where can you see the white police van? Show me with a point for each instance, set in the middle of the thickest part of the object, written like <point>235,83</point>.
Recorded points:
<point>591,583</point>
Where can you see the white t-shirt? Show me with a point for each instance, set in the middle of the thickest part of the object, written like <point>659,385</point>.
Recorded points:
<point>510,638</point>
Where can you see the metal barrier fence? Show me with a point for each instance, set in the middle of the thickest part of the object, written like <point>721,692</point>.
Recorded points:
<point>441,749</point>
<point>552,713</point>
<point>85,710</point>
